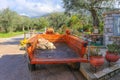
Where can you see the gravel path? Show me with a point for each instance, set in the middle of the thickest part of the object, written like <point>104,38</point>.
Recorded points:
<point>10,45</point>
<point>13,65</point>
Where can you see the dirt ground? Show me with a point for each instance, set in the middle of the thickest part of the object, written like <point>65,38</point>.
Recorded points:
<point>13,65</point>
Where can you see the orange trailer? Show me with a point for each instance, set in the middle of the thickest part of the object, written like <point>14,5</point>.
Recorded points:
<point>69,49</point>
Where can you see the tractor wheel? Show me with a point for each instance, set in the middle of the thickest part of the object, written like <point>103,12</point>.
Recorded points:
<point>31,67</point>
<point>76,66</point>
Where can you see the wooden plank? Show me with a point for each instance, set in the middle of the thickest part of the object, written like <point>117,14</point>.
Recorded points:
<point>58,61</point>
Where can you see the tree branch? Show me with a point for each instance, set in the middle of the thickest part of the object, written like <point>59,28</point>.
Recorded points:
<point>98,1</point>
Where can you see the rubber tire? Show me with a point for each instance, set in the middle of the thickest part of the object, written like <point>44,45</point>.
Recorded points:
<point>76,66</point>
<point>31,67</point>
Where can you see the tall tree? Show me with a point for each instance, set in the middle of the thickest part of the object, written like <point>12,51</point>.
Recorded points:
<point>43,22</point>
<point>92,6</point>
<point>23,22</point>
<point>57,19</point>
<point>8,20</point>
<point>75,22</point>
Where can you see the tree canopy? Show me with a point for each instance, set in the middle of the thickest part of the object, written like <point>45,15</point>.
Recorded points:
<point>88,7</point>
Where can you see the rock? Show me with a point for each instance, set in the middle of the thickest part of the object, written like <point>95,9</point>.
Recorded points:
<point>50,45</point>
<point>41,46</point>
<point>45,44</point>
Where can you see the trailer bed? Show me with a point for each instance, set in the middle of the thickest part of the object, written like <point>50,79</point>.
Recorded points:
<point>62,51</point>
<point>69,49</point>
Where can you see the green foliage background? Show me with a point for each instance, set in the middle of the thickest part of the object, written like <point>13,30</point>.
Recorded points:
<point>11,21</point>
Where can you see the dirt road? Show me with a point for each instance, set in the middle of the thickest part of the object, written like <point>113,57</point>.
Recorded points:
<point>13,65</point>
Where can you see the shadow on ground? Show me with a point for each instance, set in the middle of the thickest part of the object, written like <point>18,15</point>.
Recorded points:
<point>14,67</point>
<point>55,72</point>
<point>13,41</point>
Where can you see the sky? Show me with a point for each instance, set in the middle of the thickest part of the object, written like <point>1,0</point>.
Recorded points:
<point>32,8</point>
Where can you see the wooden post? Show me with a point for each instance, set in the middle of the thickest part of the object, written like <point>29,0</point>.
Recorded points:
<point>24,35</point>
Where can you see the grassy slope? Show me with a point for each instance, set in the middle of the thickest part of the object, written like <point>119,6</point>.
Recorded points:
<point>7,35</point>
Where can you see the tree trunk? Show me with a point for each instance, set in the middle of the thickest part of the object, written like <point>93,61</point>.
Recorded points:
<point>6,31</point>
<point>23,28</point>
<point>5,28</point>
<point>95,17</point>
<point>28,28</point>
<point>11,29</point>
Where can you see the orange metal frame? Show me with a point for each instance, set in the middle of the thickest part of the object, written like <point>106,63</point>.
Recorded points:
<point>78,45</point>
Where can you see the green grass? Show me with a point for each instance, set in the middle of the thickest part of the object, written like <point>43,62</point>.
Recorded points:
<point>11,34</point>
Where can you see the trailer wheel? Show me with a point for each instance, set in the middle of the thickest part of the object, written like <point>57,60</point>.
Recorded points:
<point>31,67</point>
<point>76,66</point>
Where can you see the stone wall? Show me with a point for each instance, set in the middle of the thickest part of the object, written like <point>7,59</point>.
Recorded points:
<point>109,27</point>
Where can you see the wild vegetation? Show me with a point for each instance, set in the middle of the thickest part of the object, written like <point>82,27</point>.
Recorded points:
<point>79,16</point>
